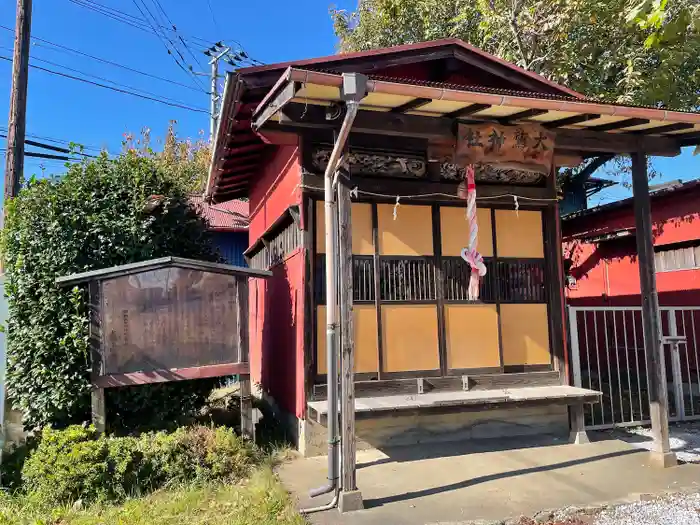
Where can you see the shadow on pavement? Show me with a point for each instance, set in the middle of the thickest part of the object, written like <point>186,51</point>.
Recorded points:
<point>378,502</point>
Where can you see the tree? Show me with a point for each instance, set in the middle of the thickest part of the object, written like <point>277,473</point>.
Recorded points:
<point>93,217</point>
<point>592,46</point>
<point>186,161</point>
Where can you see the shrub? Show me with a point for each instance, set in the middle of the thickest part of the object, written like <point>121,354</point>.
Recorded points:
<point>76,463</point>
<point>93,217</point>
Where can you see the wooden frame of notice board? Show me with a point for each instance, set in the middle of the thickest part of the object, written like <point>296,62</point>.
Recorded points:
<point>167,319</point>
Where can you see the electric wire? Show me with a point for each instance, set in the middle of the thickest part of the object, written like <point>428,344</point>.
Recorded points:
<point>105,79</point>
<point>105,61</point>
<point>164,40</point>
<point>119,90</point>
<point>141,24</point>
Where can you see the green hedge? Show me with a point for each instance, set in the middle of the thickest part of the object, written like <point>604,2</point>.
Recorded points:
<point>77,464</point>
<point>95,216</point>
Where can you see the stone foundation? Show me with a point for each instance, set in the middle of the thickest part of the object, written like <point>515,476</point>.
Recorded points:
<point>413,429</point>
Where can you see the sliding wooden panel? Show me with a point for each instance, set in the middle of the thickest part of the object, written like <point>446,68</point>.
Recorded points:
<point>454,228</point>
<point>519,234</point>
<point>361,228</point>
<point>410,234</point>
<point>472,336</point>
<point>410,337</point>
<point>366,352</point>
<point>525,332</point>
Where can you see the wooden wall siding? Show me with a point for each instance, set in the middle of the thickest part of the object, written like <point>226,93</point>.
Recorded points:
<point>407,279</point>
<point>410,338</point>
<point>410,234</point>
<point>525,332</point>
<point>454,228</point>
<point>519,234</point>
<point>365,327</point>
<point>361,228</point>
<point>423,321</point>
<point>472,336</point>
<point>287,239</point>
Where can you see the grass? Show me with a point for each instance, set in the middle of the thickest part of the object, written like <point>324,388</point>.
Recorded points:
<point>260,500</point>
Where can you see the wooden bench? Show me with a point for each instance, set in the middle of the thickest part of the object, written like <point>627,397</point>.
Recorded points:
<point>376,406</point>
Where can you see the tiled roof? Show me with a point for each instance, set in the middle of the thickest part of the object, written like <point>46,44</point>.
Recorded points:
<point>226,216</point>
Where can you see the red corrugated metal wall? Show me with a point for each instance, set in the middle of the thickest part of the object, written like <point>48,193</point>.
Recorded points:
<point>277,303</point>
<point>607,274</point>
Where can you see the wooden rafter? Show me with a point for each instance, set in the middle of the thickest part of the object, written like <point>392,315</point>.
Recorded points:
<point>569,121</point>
<point>466,111</point>
<point>620,124</point>
<point>411,104</point>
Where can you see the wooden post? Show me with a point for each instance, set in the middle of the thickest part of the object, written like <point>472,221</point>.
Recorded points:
<point>350,497</point>
<point>247,424</point>
<point>99,411</point>
<point>651,320</point>
<point>99,414</point>
<point>14,163</point>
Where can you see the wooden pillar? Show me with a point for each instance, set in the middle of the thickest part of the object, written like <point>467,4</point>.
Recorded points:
<point>247,424</point>
<point>651,320</point>
<point>350,497</point>
<point>99,414</point>
<point>97,401</point>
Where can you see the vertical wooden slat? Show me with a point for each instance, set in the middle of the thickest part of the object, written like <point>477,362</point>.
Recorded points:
<point>247,425</point>
<point>554,292</point>
<point>347,367</point>
<point>99,413</point>
<point>497,296</point>
<point>439,290</point>
<point>377,291</point>
<point>658,394</point>
<point>309,245</point>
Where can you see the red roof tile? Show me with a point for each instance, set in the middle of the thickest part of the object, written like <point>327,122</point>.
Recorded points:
<point>226,216</point>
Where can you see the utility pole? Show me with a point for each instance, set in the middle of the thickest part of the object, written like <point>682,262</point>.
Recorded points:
<point>14,167</point>
<point>216,52</point>
<point>213,109</point>
<point>16,127</point>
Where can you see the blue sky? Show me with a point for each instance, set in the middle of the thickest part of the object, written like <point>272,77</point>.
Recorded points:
<point>270,31</point>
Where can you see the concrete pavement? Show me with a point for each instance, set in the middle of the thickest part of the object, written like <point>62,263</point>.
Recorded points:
<point>488,480</point>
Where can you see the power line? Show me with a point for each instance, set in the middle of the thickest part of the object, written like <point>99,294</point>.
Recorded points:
<point>141,24</point>
<point>124,86</point>
<point>105,61</point>
<point>164,40</point>
<point>56,140</point>
<point>213,19</point>
<point>61,141</point>
<point>181,106</point>
<point>51,148</point>
<point>48,156</point>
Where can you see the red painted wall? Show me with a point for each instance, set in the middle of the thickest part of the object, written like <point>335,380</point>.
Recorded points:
<point>274,189</point>
<point>277,303</point>
<point>607,273</point>
<point>277,334</point>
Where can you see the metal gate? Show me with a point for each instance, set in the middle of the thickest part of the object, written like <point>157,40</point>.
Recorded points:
<point>607,350</point>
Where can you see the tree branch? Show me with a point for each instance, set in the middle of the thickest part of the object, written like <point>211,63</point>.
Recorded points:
<point>517,7</point>
<point>587,171</point>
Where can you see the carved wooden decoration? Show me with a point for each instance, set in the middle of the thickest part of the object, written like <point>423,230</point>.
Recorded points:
<point>486,173</point>
<point>364,162</point>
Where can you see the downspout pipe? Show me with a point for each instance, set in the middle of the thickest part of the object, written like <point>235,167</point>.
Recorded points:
<point>354,87</point>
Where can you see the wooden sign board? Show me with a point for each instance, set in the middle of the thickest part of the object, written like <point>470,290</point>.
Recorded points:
<point>167,319</point>
<point>525,146</point>
<point>170,318</point>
